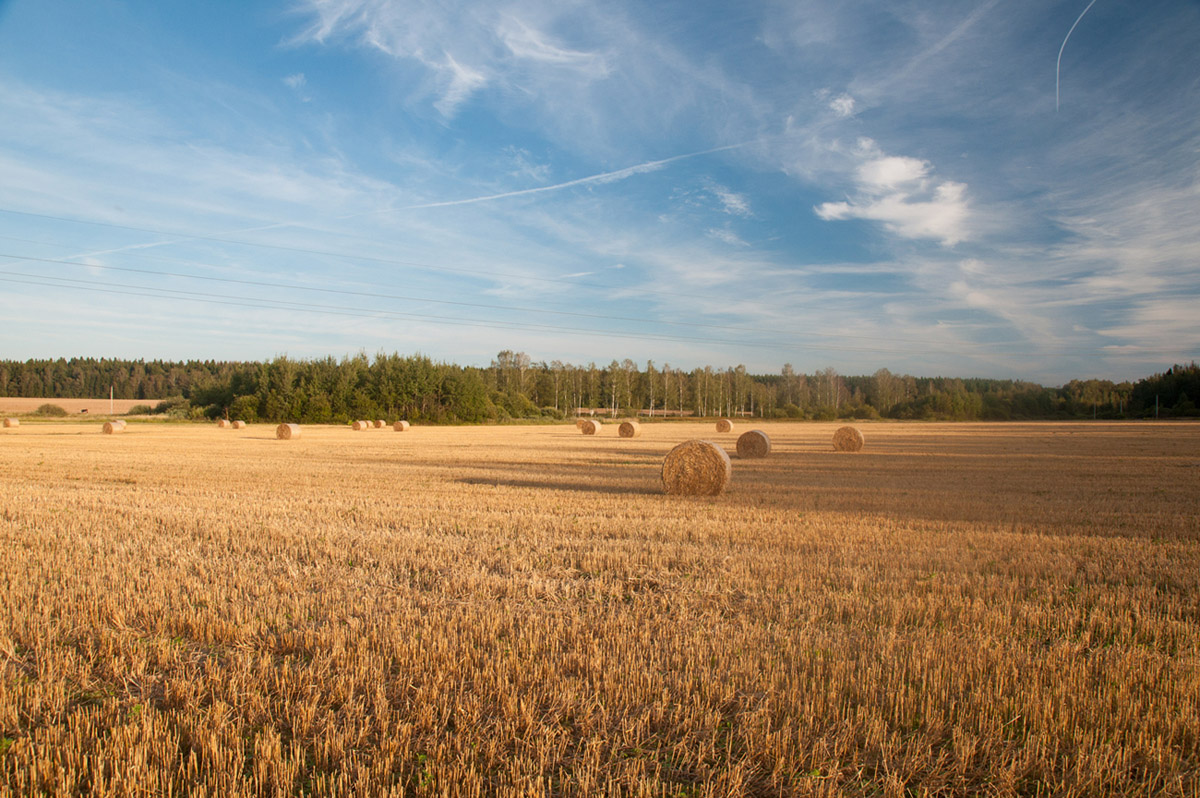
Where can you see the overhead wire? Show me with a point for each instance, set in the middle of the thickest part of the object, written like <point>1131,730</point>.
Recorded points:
<point>455,302</point>
<point>262,303</point>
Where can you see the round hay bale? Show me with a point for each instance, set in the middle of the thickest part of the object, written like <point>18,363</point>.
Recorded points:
<point>696,468</point>
<point>754,443</point>
<point>287,432</point>
<point>223,423</point>
<point>359,426</point>
<point>113,427</point>
<point>579,423</point>
<point>401,426</point>
<point>239,425</point>
<point>724,425</point>
<point>590,427</point>
<point>380,423</point>
<point>12,422</point>
<point>629,429</point>
<point>848,439</point>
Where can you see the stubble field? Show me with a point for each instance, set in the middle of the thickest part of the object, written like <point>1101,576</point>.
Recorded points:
<point>958,609</point>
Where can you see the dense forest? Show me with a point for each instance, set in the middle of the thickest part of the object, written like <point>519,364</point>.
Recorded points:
<point>516,387</point>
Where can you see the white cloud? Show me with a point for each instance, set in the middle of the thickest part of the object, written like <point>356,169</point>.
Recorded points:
<point>889,174</point>
<point>898,192</point>
<point>296,81</point>
<point>460,82</point>
<point>524,41</point>
<point>726,235</point>
<point>842,105</point>
<point>731,202</point>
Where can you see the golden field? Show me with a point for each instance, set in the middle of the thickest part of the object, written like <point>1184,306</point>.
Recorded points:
<point>10,405</point>
<point>1009,609</point>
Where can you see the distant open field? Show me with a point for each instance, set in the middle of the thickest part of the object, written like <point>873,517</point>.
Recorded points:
<point>24,404</point>
<point>999,609</point>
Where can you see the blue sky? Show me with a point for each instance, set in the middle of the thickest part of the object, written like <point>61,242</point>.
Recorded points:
<point>923,186</point>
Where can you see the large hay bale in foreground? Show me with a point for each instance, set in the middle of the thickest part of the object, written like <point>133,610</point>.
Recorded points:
<point>239,425</point>
<point>590,427</point>
<point>223,423</point>
<point>401,426</point>
<point>380,423</point>
<point>848,439</point>
<point>11,422</point>
<point>754,443</point>
<point>287,432</point>
<point>359,426</point>
<point>696,468</point>
<point>113,427</point>
<point>724,425</point>
<point>629,429</point>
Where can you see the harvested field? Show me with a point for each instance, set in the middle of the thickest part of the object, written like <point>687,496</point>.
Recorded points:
<point>24,404</point>
<point>999,609</point>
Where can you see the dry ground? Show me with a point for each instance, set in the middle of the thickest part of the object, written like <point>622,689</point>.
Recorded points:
<point>958,609</point>
<point>10,405</point>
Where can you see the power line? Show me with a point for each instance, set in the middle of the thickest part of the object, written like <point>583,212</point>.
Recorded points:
<point>271,304</point>
<point>345,255</point>
<point>460,303</point>
<point>338,310</point>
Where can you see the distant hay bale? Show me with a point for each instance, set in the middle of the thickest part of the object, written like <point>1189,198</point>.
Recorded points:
<point>590,427</point>
<point>380,423</point>
<point>359,426</point>
<point>579,422</point>
<point>113,427</point>
<point>629,429</point>
<point>223,423</point>
<point>848,439</point>
<point>754,443</point>
<point>696,468</point>
<point>12,422</point>
<point>401,426</point>
<point>287,432</point>
<point>239,425</point>
<point>724,425</point>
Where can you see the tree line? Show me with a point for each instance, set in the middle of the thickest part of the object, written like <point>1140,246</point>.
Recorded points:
<point>515,386</point>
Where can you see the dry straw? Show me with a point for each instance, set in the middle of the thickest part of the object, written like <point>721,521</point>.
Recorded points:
<point>724,425</point>
<point>361,425</point>
<point>696,468</point>
<point>239,425</point>
<point>401,426</point>
<point>754,443</point>
<point>12,422</point>
<point>380,423</point>
<point>223,423</point>
<point>629,429</point>
<point>590,427</point>
<point>286,432</point>
<point>113,427</point>
<point>847,439</point>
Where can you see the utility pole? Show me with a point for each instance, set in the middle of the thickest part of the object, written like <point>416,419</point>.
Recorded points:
<point>110,400</point>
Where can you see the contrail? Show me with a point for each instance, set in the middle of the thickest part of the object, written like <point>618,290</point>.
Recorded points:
<point>602,177</point>
<point>1058,65</point>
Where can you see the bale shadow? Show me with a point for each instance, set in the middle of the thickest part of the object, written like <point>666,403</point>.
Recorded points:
<point>549,484</point>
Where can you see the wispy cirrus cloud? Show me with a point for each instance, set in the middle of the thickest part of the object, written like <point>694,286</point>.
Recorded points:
<point>463,47</point>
